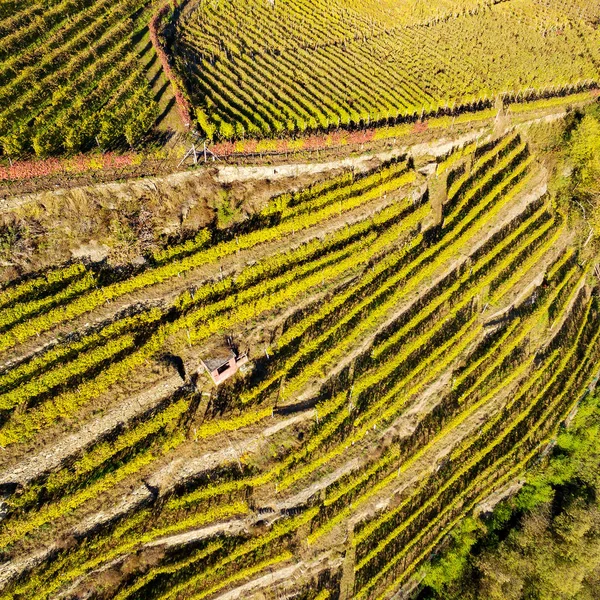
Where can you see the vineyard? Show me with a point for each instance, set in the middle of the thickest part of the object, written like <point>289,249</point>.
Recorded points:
<point>416,335</point>
<point>90,75</point>
<point>76,75</point>
<point>263,69</point>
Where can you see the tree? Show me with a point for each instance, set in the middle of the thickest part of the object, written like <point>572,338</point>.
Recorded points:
<point>544,544</point>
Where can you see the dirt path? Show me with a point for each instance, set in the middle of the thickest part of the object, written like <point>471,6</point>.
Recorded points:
<point>285,578</point>
<point>227,174</point>
<point>10,570</point>
<point>52,457</point>
<point>235,527</point>
<point>224,174</point>
<point>180,469</point>
<point>363,162</point>
<point>303,495</point>
<point>510,489</point>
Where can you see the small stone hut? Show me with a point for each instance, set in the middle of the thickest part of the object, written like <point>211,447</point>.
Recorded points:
<point>223,364</point>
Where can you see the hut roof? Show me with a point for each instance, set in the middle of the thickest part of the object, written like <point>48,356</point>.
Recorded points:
<point>218,360</point>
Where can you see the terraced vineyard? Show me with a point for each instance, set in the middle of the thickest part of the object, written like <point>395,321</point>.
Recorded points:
<point>263,69</point>
<point>416,336</point>
<point>81,75</point>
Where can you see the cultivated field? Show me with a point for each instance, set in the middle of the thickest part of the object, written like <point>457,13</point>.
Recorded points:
<point>81,75</point>
<point>294,376</point>
<point>416,335</point>
<point>76,74</point>
<point>263,69</point>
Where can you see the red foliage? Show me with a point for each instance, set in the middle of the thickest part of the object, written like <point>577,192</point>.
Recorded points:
<point>250,146</point>
<point>82,163</point>
<point>223,148</point>
<point>361,137</point>
<point>314,142</point>
<point>310,143</point>
<point>420,127</point>
<point>282,145</point>
<point>182,103</point>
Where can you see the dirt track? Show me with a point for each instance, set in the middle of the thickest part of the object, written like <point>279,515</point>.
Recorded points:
<point>226,174</point>
<point>51,458</point>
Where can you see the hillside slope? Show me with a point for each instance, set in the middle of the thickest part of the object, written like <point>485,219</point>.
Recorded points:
<point>415,336</point>
<point>264,69</point>
<point>83,75</point>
